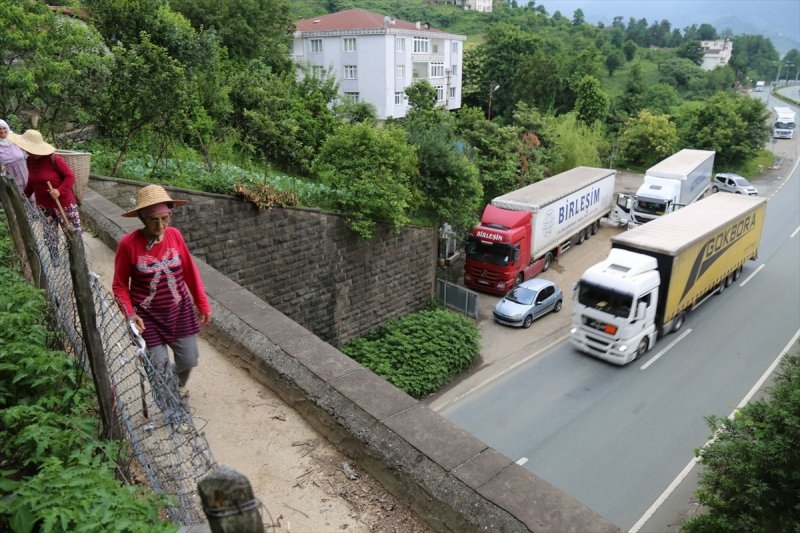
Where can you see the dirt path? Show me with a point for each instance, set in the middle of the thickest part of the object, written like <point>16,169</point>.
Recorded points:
<point>296,474</point>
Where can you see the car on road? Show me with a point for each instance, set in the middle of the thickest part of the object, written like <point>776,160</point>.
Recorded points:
<point>733,183</point>
<point>528,301</point>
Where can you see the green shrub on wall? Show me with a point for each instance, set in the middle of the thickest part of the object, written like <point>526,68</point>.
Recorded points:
<point>420,352</point>
<point>55,473</point>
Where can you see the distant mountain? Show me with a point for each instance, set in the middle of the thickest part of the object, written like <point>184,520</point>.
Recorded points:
<point>779,20</point>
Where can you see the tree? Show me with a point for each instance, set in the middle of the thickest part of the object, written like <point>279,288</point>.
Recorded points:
<point>50,69</point>
<point>591,104</point>
<point>249,29</point>
<point>647,138</point>
<point>691,50</point>
<point>128,105</point>
<point>373,171</point>
<point>733,125</point>
<point>752,476</point>
<point>575,143</point>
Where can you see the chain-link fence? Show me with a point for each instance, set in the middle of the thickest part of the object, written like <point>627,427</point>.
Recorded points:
<point>144,404</point>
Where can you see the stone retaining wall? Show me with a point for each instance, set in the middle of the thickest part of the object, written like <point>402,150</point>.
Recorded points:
<point>451,479</point>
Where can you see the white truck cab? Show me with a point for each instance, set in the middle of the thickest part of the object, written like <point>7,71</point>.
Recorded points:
<point>615,306</point>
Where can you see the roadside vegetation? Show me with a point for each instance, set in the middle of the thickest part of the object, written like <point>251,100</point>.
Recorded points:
<point>56,474</point>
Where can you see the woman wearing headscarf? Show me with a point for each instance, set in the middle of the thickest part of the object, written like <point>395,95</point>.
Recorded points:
<point>154,276</point>
<point>12,158</point>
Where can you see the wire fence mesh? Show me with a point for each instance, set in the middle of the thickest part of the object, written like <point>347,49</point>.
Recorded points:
<point>154,417</point>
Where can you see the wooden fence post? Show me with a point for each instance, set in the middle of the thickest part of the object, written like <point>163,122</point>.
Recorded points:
<point>229,503</point>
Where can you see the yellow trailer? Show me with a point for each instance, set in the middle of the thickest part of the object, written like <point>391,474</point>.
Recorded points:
<point>699,249</point>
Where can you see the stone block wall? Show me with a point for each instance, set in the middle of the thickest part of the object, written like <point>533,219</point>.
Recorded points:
<point>304,262</point>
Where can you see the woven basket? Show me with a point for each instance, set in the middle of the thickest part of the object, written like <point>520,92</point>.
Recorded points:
<point>80,163</point>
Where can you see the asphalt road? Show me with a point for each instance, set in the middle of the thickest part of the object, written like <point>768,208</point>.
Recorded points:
<point>617,438</point>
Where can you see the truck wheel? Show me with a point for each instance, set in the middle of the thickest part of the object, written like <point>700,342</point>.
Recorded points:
<point>595,227</point>
<point>721,287</point>
<point>677,322</point>
<point>548,261</point>
<point>527,322</point>
<point>729,279</point>
<point>581,237</point>
<point>737,273</point>
<point>642,348</point>
<point>587,233</point>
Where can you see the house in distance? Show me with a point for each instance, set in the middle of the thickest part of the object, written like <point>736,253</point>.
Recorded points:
<point>375,57</point>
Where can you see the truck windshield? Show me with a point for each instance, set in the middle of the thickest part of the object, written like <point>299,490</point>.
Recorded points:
<point>648,206</point>
<point>496,253</point>
<point>784,125</point>
<point>605,299</point>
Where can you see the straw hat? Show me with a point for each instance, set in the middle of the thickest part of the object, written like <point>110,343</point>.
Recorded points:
<point>32,142</point>
<point>152,195</point>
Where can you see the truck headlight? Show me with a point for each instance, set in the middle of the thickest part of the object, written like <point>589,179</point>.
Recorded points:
<point>623,348</point>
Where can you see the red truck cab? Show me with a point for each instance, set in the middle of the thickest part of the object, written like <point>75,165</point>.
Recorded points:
<point>499,251</point>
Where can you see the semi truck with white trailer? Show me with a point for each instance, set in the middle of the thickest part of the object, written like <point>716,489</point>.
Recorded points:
<point>677,181</point>
<point>657,273</point>
<point>783,124</point>
<point>523,231</point>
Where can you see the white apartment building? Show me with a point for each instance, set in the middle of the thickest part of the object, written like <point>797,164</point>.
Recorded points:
<point>375,57</point>
<point>479,5</point>
<point>716,53</point>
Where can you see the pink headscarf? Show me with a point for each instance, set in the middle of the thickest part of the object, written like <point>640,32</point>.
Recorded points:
<point>155,209</point>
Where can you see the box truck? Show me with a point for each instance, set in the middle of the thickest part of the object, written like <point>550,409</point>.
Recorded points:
<point>522,232</point>
<point>760,86</point>
<point>783,125</point>
<point>655,274</point>
<point>677,181</point>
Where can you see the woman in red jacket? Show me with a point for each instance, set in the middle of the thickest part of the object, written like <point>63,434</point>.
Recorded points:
<point>158,286</point>
<point>49,179</point>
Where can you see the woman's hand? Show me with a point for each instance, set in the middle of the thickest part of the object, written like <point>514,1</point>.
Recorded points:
<point>139,322</point>
<point>205,318</point>
<point>55,193</point>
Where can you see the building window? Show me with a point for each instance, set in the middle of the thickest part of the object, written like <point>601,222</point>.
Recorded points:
<point>316,46</point>
<point>349,44</point>
<point>398,98</point>
<point>452,92</point>
<point>440,93</point>
<point>437,70</point>
<point>351,97</point>
<point>454,70</point>
<point>434,48</point>
<point>318,71</point>
<point>350,72</point>
<point>454,47</point>
<point>400,44</point>
<point>400,71</point>
<point>420,45</point>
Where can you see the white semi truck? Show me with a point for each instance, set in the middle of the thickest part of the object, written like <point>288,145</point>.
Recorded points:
<point>677,181</point>
<point>783,125</point>
<point>655,274</point>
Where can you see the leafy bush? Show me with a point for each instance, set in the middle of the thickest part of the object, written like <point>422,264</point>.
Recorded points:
<point>420,352</point>
<point>751,479</point>
<point>55,474</point>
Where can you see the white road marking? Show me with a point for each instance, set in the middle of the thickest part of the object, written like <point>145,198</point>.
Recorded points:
<point>795,232</point>
<point>751,276</point>
<point>522,460</point>
<point>688,468</point>
<point>665,350</point>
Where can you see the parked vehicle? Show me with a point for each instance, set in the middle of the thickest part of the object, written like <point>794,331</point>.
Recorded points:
<point>783,125</point>
<point>760,86</point>
<point>677,181</point>
<point>528,301</point>
<point>522,232</point>
<point>733,183</point>
<point>657,273</point>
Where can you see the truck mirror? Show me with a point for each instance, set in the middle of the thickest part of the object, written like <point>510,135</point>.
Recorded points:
<point>641,309</point>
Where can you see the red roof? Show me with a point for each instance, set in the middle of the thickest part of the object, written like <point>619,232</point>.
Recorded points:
<point>357,19</point>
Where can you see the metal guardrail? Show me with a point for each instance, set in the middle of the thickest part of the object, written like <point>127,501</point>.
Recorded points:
<point>458,298</point>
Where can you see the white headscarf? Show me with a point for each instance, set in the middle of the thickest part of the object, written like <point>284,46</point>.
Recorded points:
<point>5,142</point>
